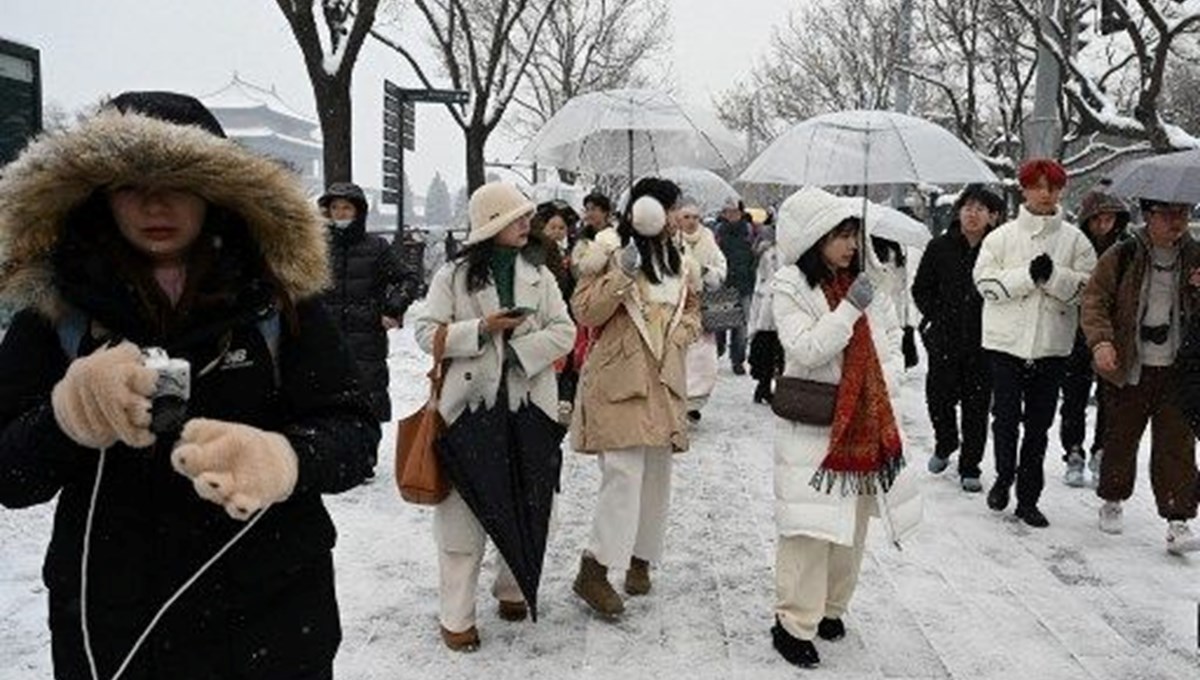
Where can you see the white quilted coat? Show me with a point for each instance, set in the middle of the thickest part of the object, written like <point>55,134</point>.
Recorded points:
<point>814,337</point>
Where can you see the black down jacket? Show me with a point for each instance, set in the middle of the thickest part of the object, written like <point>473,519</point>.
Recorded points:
<point>944,291</point>
<point>267,609</point>
<point>369,283</point>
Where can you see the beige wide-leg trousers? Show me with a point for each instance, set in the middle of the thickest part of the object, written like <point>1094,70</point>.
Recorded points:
<point>815,578</point>
<point>461,544</point>
<point>631,508</point>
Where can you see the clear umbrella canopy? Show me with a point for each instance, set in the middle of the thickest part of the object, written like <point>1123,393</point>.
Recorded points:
<point>702,188</point>
<point>632,132</point>
<point>860,148</point>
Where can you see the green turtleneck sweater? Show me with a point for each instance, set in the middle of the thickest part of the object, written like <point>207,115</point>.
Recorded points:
<point>504,265</point>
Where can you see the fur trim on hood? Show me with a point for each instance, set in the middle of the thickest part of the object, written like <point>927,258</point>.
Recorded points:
<point>59,171</point>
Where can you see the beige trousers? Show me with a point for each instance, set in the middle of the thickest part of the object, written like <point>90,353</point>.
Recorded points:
<point>815,578</point>
<point>461,545</point>
<point>631,508</point>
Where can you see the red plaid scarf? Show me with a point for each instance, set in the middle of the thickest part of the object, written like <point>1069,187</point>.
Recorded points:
<point>864,443</point>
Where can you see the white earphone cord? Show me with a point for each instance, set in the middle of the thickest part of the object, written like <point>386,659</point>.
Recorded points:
<point>83,580</point>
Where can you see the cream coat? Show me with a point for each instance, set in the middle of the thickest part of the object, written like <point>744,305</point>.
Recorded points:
<point>473,376</point>
<point>1020,317</point>
<point>628,395</point>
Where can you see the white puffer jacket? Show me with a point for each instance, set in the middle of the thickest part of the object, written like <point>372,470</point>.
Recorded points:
<point>1020,317</point>
<point>814,337</point>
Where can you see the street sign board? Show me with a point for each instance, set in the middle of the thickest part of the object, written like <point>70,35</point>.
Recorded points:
<point>434,96</point>
<point>408,136</point>
<point>391,150</point>
<point>391,182</point>
<point>391,166</point>
<point>390,197</point>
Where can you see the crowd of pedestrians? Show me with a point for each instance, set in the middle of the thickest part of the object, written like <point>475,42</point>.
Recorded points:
<point>144,230</point>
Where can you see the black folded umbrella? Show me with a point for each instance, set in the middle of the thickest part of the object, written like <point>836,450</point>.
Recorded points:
<point>506,466</point>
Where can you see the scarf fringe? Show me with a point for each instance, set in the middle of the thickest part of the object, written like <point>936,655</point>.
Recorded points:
<point>855,483</point>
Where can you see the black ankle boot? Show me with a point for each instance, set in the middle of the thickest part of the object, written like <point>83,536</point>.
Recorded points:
<point>795,651</point>
<point>762,392</point>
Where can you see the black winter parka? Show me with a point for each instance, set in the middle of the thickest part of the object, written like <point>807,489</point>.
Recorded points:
<point>369,282</point>
<point>267,608</point>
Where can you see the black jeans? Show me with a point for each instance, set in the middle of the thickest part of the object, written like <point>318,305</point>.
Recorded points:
<point>1024,393</point>
<point>1076,388</point>
<point>959,380</point>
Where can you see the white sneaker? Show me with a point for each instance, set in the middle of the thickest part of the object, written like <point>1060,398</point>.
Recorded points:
<point>1111,518</point>
<point>1180,538</point>
<point>1074,474</point>
<point>1094,462</point>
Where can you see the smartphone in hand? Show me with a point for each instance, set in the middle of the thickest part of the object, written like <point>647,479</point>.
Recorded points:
<point>518,312</point>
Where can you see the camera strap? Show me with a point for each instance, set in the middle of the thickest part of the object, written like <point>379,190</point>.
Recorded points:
<point>83,579</point>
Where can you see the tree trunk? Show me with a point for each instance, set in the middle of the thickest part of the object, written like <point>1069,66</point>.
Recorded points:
<point>476,139</point>
<point>334,111</point>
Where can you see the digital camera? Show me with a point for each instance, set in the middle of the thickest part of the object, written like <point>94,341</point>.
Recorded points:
<point>168,409</point>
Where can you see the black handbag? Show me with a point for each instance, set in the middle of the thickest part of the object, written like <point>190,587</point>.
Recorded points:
<point>721,309</point>
<point>804,401</point>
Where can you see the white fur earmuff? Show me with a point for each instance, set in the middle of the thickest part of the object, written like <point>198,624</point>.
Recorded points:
<point>648,216</point>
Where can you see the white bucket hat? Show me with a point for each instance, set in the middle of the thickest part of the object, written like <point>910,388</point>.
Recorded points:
<point>493,207</point>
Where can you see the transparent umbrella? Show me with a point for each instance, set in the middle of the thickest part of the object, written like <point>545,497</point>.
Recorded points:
<point>705,189</point>
<point>632,132</point>
<point>860,148</point>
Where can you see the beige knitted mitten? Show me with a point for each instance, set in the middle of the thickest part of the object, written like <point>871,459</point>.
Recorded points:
<point>238,467</point>
<point>105,398</point>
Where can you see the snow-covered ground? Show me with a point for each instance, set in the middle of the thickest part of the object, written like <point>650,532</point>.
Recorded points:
<point>974,595</point>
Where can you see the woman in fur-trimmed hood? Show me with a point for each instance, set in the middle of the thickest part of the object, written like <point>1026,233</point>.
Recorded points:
<point>143,228</point>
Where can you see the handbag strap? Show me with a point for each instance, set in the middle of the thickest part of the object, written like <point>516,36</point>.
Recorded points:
<point>437,373</point>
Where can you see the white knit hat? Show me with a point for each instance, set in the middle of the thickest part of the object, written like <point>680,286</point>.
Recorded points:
<point>493,207</point>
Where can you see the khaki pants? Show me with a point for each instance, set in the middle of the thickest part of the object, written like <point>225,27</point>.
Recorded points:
<point>815,578</point>
<point>631,508</point>
<point>461,542</point>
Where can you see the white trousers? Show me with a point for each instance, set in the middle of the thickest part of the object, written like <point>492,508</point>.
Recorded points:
<point>461,543</point>
<point>815,578</point>
<point>631,508</point>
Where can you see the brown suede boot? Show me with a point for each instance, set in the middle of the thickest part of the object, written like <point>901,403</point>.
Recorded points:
<point>637,577</point>
<point>592,585</point>
<point>466,641</point>
<point>512,610</point>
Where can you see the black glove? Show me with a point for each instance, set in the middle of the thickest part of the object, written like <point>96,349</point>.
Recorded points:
<point>1040,268</point>
<point>909,347</point>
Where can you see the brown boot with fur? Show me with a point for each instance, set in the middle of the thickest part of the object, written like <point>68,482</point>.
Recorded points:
<point>637,577</point>
<point>592,585</point>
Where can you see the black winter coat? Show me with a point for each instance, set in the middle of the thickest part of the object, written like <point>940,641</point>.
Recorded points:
<point>368,283</point>
<point>944,291</point>
<point>736,243</point>
<point>267,608</point>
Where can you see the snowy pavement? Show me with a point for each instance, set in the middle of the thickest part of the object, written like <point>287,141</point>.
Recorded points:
<point>974,594</point>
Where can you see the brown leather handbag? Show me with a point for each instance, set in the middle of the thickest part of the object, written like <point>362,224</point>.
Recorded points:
<point>804,401</point>
<point>419,476</point>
